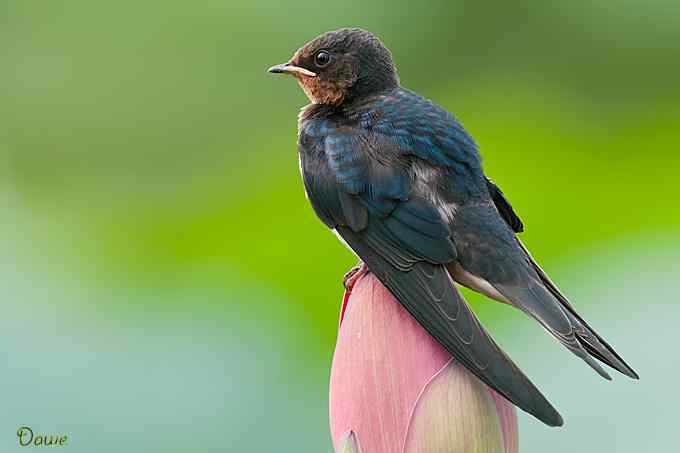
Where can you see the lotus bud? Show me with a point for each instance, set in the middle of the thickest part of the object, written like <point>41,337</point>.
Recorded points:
<point>349,444</point>
<point>394,389</point>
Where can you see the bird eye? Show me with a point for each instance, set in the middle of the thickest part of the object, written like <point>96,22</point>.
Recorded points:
<point>322,58</point>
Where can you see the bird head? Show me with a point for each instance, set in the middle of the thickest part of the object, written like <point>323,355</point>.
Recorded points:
<point>340,66</point>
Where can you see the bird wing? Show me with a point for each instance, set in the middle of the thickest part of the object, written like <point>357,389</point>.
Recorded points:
<point>427,292</point>
<point>369,201</point>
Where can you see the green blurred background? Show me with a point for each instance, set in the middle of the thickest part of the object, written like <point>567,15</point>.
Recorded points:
<point>165,285</point>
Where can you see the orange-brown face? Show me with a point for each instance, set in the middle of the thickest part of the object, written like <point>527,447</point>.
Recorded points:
<point>325,76</point>
<point>321,91</point>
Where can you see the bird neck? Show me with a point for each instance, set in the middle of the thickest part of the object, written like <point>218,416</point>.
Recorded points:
<point>374,83</point>
<point>361,102</point>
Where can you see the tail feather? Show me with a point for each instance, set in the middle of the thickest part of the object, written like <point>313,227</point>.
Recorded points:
<point>598,348</point>
<point>590,341</point>
<point>536,301</point>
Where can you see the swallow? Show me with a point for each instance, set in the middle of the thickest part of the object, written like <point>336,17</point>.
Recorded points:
<point>401,183</point>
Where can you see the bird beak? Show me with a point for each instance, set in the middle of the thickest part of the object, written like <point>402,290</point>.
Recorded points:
<point>288,68</point>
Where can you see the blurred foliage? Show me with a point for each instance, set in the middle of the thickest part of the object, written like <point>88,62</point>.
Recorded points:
<point>143,144</point>
<point>151,132</point>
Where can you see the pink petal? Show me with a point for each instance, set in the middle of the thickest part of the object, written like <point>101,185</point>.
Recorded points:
<point>507,414</point>
<point>349,443</point>
<point>455,413</point>
<point>382,361</point>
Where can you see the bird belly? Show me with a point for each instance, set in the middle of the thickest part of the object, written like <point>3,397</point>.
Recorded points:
<point>475,283</point>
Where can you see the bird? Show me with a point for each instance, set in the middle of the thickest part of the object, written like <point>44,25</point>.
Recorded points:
<point>400,182</point>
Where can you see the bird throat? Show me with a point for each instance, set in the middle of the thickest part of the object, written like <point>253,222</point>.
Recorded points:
<point>321,91</point>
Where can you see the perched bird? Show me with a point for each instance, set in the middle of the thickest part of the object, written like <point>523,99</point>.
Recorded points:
<point>401,183</point>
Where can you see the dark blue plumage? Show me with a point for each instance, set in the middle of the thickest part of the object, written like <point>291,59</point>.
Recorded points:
<point>401,181</point>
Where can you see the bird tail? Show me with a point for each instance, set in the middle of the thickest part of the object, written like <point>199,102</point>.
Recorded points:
<point>589,340</point>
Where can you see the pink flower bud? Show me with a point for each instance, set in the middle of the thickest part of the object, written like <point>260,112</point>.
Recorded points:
<point>349,444</point>
<point>394,389</point>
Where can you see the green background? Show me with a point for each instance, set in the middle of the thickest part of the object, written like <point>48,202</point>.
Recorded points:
<point>165,285</point>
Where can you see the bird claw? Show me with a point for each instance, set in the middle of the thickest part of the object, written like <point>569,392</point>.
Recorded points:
<point>354,274</point>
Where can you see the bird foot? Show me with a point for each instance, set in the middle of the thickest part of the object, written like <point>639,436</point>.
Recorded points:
<point>354,274</point>
<point>348,281</point>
